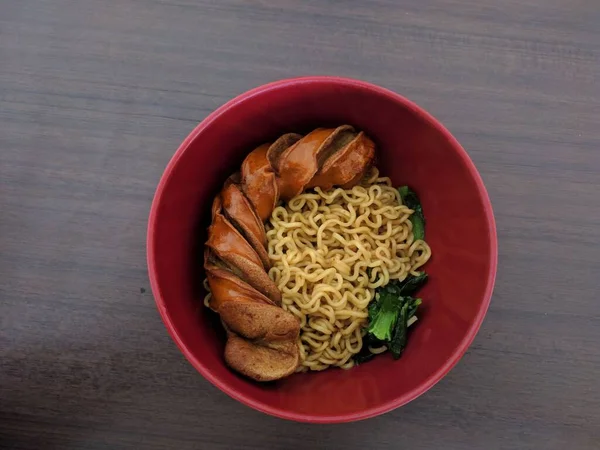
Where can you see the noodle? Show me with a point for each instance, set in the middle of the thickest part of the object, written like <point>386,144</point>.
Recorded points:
<point>329,252</point>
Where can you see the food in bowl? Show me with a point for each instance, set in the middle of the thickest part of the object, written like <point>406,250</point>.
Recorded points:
<point>330,279</point>
<point>414,149</point>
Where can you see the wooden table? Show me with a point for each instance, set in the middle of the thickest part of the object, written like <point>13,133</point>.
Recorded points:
<point>95,96</point>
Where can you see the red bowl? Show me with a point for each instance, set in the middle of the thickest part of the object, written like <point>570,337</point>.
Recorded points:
<point>414,149</point>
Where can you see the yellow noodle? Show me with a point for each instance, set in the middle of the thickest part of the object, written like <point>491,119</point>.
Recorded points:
<point>330,251</point>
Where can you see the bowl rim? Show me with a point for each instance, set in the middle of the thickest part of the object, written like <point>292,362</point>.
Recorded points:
<point>240,396</point>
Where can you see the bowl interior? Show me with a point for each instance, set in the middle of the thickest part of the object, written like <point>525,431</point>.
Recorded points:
<point>412,149</point>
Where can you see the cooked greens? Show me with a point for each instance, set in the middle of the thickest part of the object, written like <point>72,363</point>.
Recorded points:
<point>412,284</point>
<point>383,314</point>
<point>407,312</point>
<point>390,314</point>
<point>389,301</point>
<point>365,354</point>
<point>410,200</point>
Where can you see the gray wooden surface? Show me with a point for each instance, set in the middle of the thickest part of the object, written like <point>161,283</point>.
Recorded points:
<point>95,96</point>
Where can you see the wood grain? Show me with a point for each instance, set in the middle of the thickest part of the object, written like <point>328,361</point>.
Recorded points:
<point>96,95</point>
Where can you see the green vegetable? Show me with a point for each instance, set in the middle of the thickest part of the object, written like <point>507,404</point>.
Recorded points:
<point>389,316</point>
<point>412,310</point>
<point>410,199</point>
<point>411,284</point>
<point>384,314</point>
<point>365,354</point>
<point>398,342</point>
<point>388,320</point>
<point>390,299</point>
